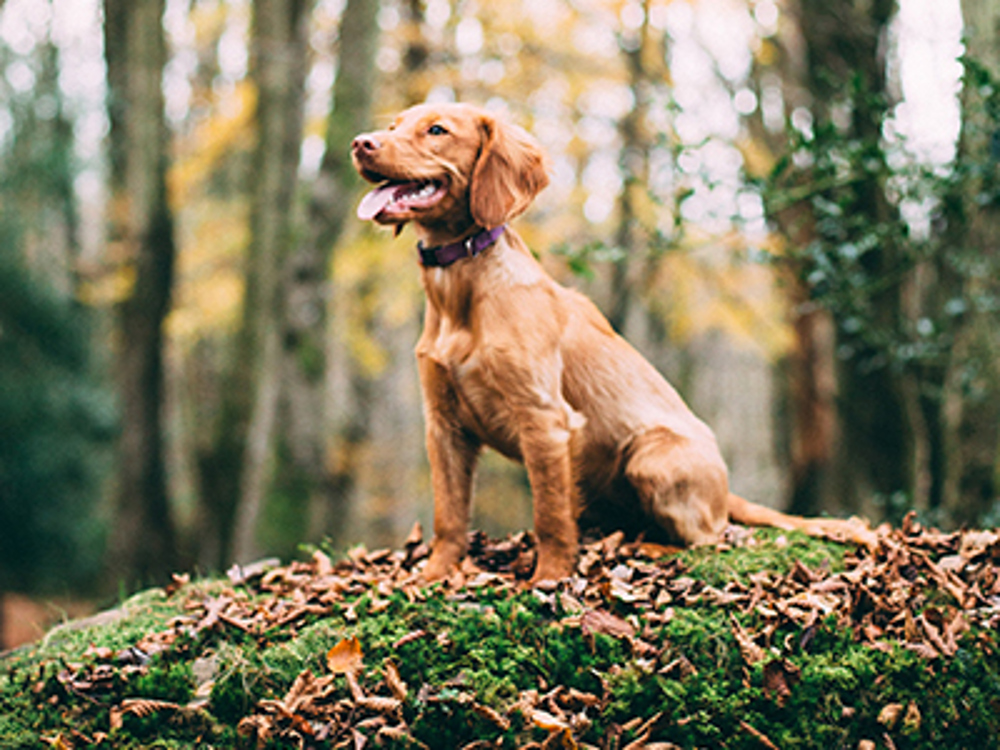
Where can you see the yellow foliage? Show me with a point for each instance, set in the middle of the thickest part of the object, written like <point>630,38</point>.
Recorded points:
<point>377,284</point>
<point>758,160</point>
<point>209,143</point>
<point>209,271</point>
<point>767,53</point>
<point>208,20</point>
<point>108,288</point>
<point>709,288</point>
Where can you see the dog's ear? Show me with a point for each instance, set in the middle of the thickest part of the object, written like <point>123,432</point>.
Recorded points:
<point>511,170</point>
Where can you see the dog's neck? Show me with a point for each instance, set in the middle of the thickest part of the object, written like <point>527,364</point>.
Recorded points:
<point>444,232</point>
<point>442,256</point>
<point>450,287</point>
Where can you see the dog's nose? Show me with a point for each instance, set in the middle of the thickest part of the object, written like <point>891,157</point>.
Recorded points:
<point>366,143</point>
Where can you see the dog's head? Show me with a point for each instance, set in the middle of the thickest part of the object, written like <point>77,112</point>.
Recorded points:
<point>449,163</point>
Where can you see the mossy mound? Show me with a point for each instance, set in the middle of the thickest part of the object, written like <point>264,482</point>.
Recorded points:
<point>769,640</point>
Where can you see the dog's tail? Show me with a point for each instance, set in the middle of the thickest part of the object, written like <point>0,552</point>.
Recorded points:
<point>845,530</point>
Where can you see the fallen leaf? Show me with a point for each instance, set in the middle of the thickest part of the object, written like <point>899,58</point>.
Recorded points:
<point>545,720</point>
<point>762,738</point>
<point>492,716</point>
<point>912,718</point>
<point>751,652</point>
<point>560,739</point>
<point>396,685</point>
<point>890,714</point>
<point>345,657</point>
<point>413,635</point>
<point>241,574</point>
<point>58,742</point>
<point>599,621</point>
<point>141,707</point>
<point>324,566</point>
<point>780,676</point>
<point>379,704</point>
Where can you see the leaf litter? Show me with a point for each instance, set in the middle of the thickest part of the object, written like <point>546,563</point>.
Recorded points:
<point>915,589</point>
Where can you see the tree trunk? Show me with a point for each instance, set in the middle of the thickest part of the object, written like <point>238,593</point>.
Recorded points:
<point>142,242</point>
<point>845,43</point>
<point>305,474</point>
<point>809,422</point>
<point>280,44</point>
<point>634,165</point>
<point>235,471</point>
<point>970,421</point>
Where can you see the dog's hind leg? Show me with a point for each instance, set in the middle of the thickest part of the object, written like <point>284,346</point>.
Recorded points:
<point>681,486</point>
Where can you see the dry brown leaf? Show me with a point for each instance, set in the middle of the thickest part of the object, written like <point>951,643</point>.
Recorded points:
<point>396,685</point>
<point>762,738</point>
<point>345,657</point>
<point>324,566</point>
<point>546,721</point>
<point>357,693</point>
<point>255,727</point>
<point>577,700</point>
<point>378,704</point>
<point>306,691</point>
<point>890,715</point>
<point>58,742</point>
<point>416,535</point>
<point>640,743</point>
<point>560,739</point>
<point>751,652</point>
<point>141,707</point>
<point>780,676</point>
<point>413,635</point>
<point>912,717</point>
<point>492,716</point>
<point>599,621</point>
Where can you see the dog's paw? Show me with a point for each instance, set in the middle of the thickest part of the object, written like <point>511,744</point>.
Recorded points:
<point>552,569</point>
<point>441,565</point>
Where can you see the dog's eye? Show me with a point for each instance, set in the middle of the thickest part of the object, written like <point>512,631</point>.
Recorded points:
<point>436,129</point>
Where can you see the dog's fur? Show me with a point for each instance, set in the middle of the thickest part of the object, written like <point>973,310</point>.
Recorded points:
<point>510,359</point>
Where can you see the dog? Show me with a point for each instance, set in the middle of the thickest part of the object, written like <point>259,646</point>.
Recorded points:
<point>510,359</point>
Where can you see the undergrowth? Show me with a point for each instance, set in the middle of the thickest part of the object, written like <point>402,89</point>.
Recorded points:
<point>491,645</point>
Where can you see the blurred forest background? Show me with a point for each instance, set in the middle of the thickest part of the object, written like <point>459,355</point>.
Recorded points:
<point>790,206</point>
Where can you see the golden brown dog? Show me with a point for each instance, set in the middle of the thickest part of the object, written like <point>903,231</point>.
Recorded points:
<point>510,359</point>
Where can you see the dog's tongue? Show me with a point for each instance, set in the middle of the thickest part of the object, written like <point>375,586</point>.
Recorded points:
<point>373,203</point>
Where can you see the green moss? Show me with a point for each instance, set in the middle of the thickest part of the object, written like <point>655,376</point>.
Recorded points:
<point>489,646</point>
<point>243,679</point>
<point>165,679</point>
<point>773,551</point>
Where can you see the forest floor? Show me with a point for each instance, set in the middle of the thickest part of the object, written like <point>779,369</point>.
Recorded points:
<point>768,640</point>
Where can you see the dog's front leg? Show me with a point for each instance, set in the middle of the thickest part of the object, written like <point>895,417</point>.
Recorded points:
<point>546,447</point>
<point>452,456</point>
<point>452,453</point>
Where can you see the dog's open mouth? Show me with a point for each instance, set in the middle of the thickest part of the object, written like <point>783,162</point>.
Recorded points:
<point>397,197</point>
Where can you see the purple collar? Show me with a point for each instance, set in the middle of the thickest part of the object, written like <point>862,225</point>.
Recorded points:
<point>445,255</point>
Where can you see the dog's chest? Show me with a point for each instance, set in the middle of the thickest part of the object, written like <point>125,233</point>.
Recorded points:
<point>477,397</point>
